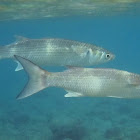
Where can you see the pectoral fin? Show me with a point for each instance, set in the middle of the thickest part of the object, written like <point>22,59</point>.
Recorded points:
<point>73,94</point>
<point>19,66</point>
<point>79,51</point>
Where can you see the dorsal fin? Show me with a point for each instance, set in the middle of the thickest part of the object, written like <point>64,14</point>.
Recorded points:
<point>20,38</point>
<point>73,94</point>
<point>71,68</point>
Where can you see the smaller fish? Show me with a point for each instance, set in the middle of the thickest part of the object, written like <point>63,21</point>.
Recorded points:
<point>55,52</point>
<point>79,82</point>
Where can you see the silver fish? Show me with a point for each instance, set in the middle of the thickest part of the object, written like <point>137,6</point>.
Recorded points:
<point>56,52</point>
<point>80,82</point>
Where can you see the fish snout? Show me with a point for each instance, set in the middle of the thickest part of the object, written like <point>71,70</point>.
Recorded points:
<point>112,56</point>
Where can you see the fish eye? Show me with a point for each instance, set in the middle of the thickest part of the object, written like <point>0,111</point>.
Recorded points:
<point>107,55</point>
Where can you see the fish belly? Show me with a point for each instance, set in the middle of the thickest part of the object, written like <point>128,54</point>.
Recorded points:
<point>87,86</point>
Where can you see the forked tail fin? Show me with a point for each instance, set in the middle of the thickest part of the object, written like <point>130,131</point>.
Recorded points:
<point>37,78</point>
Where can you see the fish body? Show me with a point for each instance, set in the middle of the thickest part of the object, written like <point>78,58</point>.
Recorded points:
<point>80,82</point>
<point>56,52</point>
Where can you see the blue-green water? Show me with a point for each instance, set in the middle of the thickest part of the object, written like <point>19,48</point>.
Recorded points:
<point>47,115</point>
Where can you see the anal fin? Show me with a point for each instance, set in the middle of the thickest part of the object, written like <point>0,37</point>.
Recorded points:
<point>114,96</point>
<point>19,66</point>
<point>73,94</point>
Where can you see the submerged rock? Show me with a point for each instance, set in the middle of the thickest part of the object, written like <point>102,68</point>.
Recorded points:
<point>114,132</point>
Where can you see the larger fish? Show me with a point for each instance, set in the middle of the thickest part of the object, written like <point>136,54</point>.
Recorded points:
<point>56,52</point>
<point>80,82</point>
